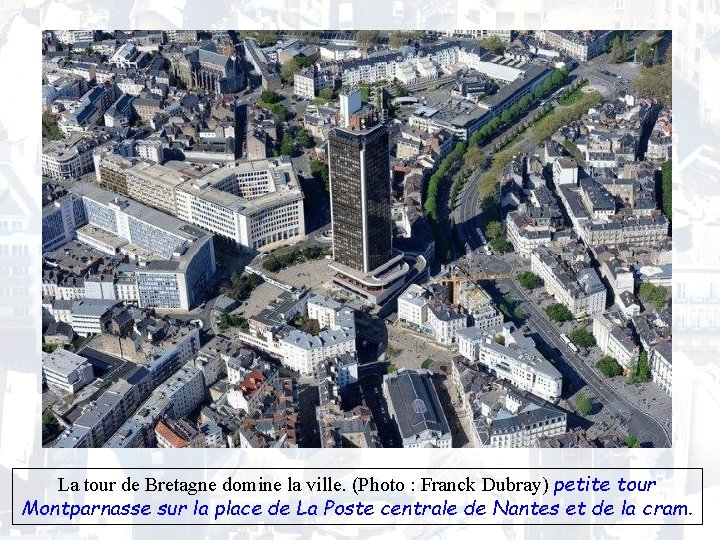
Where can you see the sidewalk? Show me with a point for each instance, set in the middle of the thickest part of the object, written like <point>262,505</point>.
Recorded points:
<point>647,397</point>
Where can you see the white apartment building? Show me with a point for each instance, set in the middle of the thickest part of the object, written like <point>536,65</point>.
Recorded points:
<point>525,234</point>
<point>660,360</point>
<point>304,83</point>
<point>179,395</point>
<point>581,45</point>
<point>257,204</point>
<point>615,339</point>
<point>174,260</point>
<point>341,370</point>
<point>412,305</point>
<point>88,316</point>
<point>511,356</point>
<point>501,417</point>
<point>302,352</point>
<point>185,388</point>
<point>430,62</point>
<point>565,171</point>
<point>445,323</point>
<point>74,36</point>
<point>440,321</point>
<point>68,159</point>
<point>577,286</point>
<point>66,370</point>
<point>309,81</point>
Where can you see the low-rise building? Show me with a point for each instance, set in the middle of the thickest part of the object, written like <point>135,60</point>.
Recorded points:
<point>500,416</point>
<point>177,433</point>
<point>66,371</point>
<point>431,314</point>
<point>414,405</point>
<point>615,338</point>
<point>565,171</point>
<point>339,370</point>
<point>573,283</point>
<point>660,359</point>
<point>512,356</point>
<point>68,159</point>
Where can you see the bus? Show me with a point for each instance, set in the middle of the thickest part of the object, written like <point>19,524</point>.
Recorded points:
<point>569,343</point>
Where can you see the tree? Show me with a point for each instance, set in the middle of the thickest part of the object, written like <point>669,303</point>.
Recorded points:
<point>326,94</point>
<point>643,368</point>
<point>584,404</point>
<point>619,53</point>
<point>656,56</point>
<point>654,294</point>
<point>50,128</point>
<point>398,39</point>
<point>656,81</point>
<point>320,172</point>
<point>493,229</point>
<point>644,54</point>
<point>263,37</point>
<point>279,112</point>
<point>367,38</point>
<point>501,245</point>
<point>574,151</point>
<point>48,418</point>
<point>271,264</point>
<point>631,441</point>
<point>493,44</point>
<point>270,97</point>
<point>305,140</point>
<point>427,363</point>
<point>558,313</point>
<point>288,146</point>
<point>666,188</point>
<point>609,367</point>
<point>392,368</point>
<point>49,347</point>
<point>289,69</point>
<point>582,338</point>
<point>529,280</point>
<point>303,61</point>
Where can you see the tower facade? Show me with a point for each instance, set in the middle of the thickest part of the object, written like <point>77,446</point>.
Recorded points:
<point>360,197</point>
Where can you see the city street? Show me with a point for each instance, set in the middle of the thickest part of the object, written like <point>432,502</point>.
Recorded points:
<point>617,409</point>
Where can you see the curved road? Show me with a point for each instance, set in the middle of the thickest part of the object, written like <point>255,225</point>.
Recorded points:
<point>637,422</point>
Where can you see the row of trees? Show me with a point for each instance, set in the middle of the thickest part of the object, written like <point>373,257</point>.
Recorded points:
<point>656,81</point>
<point>431,204</point>
<point>433,189</point>
<point>509,115</point>
<point>666,188</point>
<point>291,138</point>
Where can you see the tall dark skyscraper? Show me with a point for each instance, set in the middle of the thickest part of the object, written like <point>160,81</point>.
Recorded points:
<point>360,197</point>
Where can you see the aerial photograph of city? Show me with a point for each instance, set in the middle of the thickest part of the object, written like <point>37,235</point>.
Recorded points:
<point>356,239</point>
